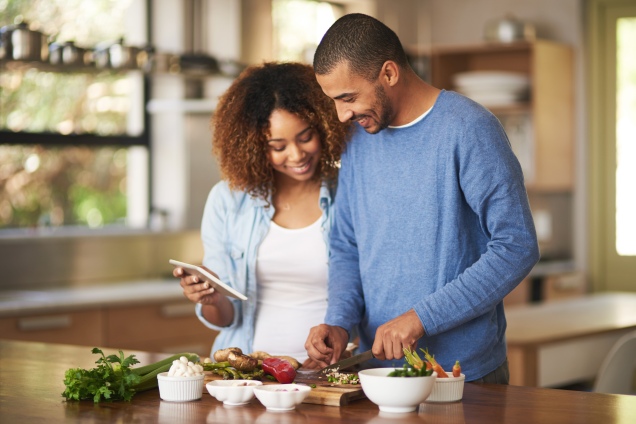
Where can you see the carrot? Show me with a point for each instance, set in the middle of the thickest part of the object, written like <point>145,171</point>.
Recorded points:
<point>413,359</point>
<point>457,369</point>
<point>428,365</point>
<point>436,367</point>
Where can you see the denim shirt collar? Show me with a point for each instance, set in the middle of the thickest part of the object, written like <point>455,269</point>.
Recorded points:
<point>325,200</point>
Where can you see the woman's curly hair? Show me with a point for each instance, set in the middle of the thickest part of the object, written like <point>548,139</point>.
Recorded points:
<point>241,124</point>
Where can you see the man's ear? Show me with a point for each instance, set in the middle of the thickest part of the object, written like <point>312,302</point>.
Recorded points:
<point>390,73</point>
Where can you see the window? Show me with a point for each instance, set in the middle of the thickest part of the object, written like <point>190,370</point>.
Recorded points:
<point>70,136</point>
<point>612,113</point>
<point>625,136</point>
<point>299,26</point>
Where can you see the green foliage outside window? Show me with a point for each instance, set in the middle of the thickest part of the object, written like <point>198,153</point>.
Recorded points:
<point>66,185</point>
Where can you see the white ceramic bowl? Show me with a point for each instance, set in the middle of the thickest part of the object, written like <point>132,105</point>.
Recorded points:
<point>449,389</point>
<point>395,394</point>
<point>233,392</point>
<point>180,389</point>
<point>281,397</point>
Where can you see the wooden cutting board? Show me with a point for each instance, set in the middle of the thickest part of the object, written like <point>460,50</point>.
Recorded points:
<point>324,393</point>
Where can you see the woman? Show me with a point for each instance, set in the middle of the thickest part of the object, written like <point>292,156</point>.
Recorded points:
<point>265,227</point>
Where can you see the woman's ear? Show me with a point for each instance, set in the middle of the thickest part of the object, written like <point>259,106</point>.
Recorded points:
<point>390,73</point>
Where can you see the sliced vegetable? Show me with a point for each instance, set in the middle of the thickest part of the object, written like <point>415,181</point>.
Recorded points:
<point>407,371</point>
<point>342,378</point>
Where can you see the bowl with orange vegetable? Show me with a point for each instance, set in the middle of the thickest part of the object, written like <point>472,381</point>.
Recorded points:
<point>449,386</point>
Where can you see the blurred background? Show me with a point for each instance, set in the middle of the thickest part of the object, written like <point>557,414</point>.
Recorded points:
<point>105,153</point>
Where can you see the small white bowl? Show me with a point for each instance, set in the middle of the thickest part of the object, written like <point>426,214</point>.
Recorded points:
<point>395,394</point>
<point>281,397</point>
<point>449,389</point>
<point>180,389</point>
<point>233,392</point>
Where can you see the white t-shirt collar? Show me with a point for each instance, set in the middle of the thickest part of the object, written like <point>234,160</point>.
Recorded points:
<point>415,121</point>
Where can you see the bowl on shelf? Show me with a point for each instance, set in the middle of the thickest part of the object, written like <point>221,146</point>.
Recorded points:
<point>493,88</point>
<point>281,397</point>
<point>449,389</point>
<point>395,394</point>
<point>180,389</point>
<point>233,392</point>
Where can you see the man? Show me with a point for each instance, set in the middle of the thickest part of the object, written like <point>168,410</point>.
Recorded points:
<point>432,223</point>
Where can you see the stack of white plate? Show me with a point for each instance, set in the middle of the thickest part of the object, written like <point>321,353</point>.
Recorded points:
<point>493,88</point>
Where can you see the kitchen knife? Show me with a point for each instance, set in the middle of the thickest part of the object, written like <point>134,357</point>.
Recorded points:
<point>347,363</point>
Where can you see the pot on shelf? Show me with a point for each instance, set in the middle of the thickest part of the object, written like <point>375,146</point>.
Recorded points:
<point>123,56</point>
<point>27,44</point>
<point>74,55</point>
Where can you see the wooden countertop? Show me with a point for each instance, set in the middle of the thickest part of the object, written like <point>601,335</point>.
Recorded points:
<point>31,377</point>
<point>569,319</point>
<point>20,302</point>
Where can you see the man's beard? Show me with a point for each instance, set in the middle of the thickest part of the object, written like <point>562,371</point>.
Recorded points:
<point>383,108</point>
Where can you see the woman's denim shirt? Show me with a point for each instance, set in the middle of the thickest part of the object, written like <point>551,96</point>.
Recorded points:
<point>234,225</point>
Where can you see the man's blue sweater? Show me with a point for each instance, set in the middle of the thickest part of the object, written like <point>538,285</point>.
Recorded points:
<point>432,217</point>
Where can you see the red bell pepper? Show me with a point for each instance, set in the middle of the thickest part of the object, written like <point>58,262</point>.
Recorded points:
<point>280,369</point>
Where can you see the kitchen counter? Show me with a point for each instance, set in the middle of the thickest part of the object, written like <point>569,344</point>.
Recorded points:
<point>32,375</point>
<point>563,342</point>
<point>20,302</point>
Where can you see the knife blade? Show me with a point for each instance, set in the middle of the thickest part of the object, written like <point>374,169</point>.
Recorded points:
<point>347,363</point>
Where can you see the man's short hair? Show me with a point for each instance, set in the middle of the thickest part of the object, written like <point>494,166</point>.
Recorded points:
<point>363,42</point>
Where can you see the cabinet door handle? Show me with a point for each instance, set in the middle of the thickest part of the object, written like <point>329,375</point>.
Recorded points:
<point>50,322</point>
<point>177,310</point>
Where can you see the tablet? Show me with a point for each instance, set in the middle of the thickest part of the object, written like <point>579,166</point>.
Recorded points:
<point>207,276</point>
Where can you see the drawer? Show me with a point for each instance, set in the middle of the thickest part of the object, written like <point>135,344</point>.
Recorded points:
<point>79,327</point>
<point>167,327</point>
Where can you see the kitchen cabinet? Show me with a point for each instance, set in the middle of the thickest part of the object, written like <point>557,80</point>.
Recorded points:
<point>72,327</point>
<point>541,129</point>
<point>169,327</point>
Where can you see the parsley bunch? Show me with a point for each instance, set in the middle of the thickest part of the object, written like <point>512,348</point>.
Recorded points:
<point>112,379</point>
